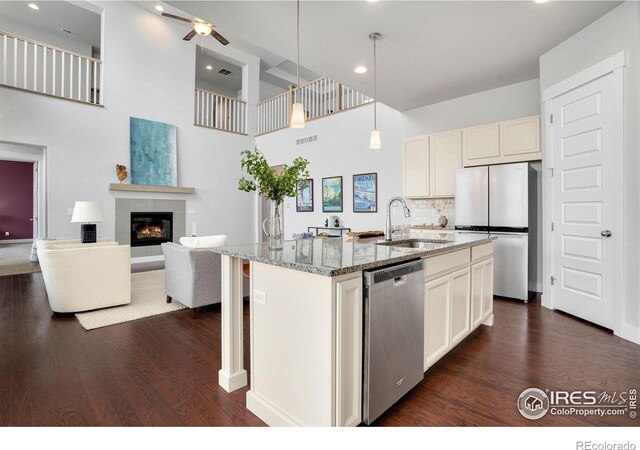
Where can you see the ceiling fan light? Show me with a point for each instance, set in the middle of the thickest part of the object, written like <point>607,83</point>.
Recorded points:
<point>374,142</point>
<point>297,116</point>
<point>203,29</point>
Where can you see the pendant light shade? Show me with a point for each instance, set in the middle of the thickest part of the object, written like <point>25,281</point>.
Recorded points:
<point>297,109</point>
<point>297,115</point>
<point>374,141</point>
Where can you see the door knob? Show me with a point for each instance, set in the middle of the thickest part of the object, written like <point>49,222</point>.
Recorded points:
<point>606,233</point>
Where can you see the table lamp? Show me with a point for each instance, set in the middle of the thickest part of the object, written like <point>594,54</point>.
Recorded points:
<point>87,213</point>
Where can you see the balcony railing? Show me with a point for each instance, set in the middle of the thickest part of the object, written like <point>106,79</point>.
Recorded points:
<point>220,112</point>
<point>320,98</point>
<point>44,69</point>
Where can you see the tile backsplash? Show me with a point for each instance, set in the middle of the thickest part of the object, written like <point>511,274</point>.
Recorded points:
<point>423,212</point>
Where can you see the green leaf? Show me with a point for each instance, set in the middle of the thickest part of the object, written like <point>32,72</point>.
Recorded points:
<point>266,181</point>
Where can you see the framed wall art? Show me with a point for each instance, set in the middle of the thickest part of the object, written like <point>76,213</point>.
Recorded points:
<point>153,153</point>
<point>332,194</point>
<point>304,197</point>
<point>365,193</point>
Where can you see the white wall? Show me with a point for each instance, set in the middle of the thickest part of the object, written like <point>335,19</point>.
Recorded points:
<point>211,87</point>
<point>268,90</point>
<point>47,37</point>
<point>616,31</point>
<point>149,72</point>
<point>342,149</point>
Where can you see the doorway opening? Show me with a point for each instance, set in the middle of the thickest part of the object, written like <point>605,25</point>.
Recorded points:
<point>22,206</point>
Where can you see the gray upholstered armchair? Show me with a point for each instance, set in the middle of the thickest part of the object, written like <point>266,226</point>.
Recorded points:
<point>192,275</point>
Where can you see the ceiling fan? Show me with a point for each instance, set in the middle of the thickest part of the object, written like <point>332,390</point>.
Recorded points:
<point>199,27</point>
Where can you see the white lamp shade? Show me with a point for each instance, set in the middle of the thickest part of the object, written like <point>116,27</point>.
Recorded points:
<point>87,212</point>
<point>297,115</point>
<point>374,142</point>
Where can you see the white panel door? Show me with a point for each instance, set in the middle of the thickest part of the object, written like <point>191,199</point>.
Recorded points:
<point>583,201</point>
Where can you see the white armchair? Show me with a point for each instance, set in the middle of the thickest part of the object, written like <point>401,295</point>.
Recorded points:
<point>81,277</point>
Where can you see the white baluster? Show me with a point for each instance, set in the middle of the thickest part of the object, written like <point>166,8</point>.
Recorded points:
<point>79,78</point>
<point>35,67</point>
<point>62,74</point>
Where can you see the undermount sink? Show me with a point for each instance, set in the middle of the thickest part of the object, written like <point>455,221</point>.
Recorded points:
<point>414,243</point>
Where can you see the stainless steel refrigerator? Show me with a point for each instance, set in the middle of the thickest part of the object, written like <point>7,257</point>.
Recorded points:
<point>501,201</point>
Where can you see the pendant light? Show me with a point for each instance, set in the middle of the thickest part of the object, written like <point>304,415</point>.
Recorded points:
<point>297,109</point>
<point>374,141</point>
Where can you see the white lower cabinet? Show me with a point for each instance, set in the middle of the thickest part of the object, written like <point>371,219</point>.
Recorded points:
<point>460,305</point>
<point>456,303</point>
<point>437,307</point>
<point>481,291</point>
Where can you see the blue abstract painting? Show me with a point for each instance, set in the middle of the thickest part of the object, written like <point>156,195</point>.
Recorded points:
<point>153,153</point>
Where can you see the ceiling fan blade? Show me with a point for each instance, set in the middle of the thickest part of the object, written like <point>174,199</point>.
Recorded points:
<point>219,37</point>
<point>189,36</point>
<point>177,17</point>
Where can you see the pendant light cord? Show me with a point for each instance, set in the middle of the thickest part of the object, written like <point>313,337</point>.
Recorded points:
<point>375,87</point>
<point>298,42</point>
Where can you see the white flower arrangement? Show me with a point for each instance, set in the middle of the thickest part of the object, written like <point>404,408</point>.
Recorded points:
<point>441,205</point>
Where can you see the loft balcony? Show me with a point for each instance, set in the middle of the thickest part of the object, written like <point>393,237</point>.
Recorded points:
<point>320,98</point>
<point>33,66</point>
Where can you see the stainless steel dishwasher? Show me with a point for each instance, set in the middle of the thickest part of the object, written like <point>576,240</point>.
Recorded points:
<point>393,335</point>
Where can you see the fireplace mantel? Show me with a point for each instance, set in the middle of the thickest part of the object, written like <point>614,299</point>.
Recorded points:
<point>145,188</point>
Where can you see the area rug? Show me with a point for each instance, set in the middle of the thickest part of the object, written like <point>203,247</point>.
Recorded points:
<point>148,299</point>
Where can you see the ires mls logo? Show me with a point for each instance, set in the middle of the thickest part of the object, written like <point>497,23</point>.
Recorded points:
<point>533,403</point>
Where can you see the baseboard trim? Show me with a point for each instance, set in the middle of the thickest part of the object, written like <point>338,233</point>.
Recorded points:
<point>146,259</point>
<point>630,334</point>
<point>233,382</point>
<point>16,241</point>
<point>268,413</point>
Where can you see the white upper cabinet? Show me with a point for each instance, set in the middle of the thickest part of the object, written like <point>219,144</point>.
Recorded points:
<point>481,142</point>
<point>430,162</point>
<point>416,167</point>
<point>505,142</point>
<point>445,156</point>
<point>520,137</point>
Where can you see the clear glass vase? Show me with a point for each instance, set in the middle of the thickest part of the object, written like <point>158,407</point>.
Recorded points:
<point>274,230</point>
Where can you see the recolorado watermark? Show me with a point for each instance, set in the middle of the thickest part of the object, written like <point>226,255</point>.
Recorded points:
<point>588,445</point>
<point>534,403</point>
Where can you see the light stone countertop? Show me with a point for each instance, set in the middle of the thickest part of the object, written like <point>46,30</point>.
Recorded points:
<point>337,256</point>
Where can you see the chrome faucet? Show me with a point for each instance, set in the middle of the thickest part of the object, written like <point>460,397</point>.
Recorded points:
<point>407,213</point>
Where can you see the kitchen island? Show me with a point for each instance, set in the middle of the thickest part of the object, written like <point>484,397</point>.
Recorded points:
<point>306,317</point>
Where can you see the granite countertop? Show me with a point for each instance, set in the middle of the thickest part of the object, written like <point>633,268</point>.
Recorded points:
<point>337,256</point>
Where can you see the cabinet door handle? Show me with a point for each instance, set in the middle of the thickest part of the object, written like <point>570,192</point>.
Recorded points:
<point>606,233</point>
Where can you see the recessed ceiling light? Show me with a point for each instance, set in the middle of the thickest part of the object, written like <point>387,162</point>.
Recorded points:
<point>360,69</point>
<point>159,8</point>
<point>209,67</point>
<point>34,6</point>
<point>541,1</point>
<point>372,1</point>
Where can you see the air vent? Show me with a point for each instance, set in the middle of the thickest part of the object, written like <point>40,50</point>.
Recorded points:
<point>224,72</point>
<point>307,140</point>
<point>72,33</point>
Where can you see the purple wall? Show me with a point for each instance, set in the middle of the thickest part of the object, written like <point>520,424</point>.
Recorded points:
<point>16,200</point>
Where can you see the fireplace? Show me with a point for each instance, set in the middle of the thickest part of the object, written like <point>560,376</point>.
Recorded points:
<point>151,228</point>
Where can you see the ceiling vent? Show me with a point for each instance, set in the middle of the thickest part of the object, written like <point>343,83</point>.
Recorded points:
<point>225,72</point>
<point>307,140</point>
<point>72,33</point>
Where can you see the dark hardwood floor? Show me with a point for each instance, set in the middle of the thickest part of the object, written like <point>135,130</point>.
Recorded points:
<point>163,370</point>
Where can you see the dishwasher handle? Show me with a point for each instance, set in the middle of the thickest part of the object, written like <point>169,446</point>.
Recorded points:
<point>399,281</point>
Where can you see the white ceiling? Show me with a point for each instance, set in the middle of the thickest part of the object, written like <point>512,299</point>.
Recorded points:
<point>55,16</point>
<point>429,51</point>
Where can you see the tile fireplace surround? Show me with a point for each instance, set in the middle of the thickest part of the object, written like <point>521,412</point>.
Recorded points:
<point>124,208</point>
